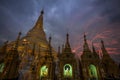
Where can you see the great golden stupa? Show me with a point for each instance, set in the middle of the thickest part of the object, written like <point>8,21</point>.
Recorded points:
<point>32,57</point>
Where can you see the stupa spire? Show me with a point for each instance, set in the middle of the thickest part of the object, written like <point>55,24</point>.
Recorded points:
<point>93,48</point>
<point>50,41</point>
<point>38,26</point>
<point>50,47</point>
<point>62,47</point>
<point>17,41</point>
<point>58,49</point>
<point>94,51</point>
<point>85,46</point>
<point>39,23</point>
<point>37,32</point>
<point>67,45</point>
<point>104,51</point>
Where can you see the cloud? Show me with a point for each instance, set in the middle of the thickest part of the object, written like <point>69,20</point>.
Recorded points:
<point>110,9</point>
<point>98,18</point>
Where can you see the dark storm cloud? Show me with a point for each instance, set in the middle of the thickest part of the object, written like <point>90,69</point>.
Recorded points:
<point>14,16</point>
<point>109,8</point>
<point>95,17</point>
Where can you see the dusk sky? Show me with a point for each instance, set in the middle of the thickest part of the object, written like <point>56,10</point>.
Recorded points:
<point>99,19</point>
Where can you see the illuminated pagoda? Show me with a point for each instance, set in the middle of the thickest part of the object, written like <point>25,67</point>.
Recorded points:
<point>67,63</point>
<point>11,63</point>
<point>32,57</point>
<point>90,62</point>
<point>33,49</point>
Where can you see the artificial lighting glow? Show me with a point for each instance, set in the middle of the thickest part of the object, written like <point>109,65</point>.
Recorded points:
<point>67,70</point>
<point>73,51</point>
<point>24,40</point>
<point>44,71</point>
<point>2,67</point>
<point>93,72</point>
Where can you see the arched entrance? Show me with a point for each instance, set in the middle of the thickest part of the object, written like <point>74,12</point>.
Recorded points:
<point>44,71</point>
<point>2,67</point>
<point>93,72</point>
<point>67,70</point>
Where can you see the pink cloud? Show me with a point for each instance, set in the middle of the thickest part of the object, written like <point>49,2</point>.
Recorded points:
<point>102,35</point>
<point>112,50</point>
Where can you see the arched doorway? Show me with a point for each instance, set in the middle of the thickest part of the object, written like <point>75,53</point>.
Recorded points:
<point>2,67</point>
<point>67,70</point>
<point>44,71</point>
<point>93,72</point>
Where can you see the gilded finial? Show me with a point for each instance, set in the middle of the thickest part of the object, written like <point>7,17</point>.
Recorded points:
<point>84,36</point>
<point>50,40</point>
<point>16,45</point>
<point>42,11</point>
<point>58,49</point>
<point>67,35</point>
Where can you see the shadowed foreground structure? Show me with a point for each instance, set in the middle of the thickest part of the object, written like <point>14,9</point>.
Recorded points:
<point>32,57</point>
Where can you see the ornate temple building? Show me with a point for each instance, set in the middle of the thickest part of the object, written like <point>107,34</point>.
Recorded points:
<point>32,57</point>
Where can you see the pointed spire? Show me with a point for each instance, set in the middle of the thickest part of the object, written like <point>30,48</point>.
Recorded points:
<point>102,43</point>
<point>37,32</point>
<point>85,38</point>
<point>39,23</point>
<point>50,41</point>
<point>50,48</point>
<point>62,47</point>
<point>58,49</point>
<point>42,12</point>
<point>85,46</point>
<point>104,51</point>
<point>96,55</point>
<point>67,37</point>
<point>17,41</point>
<point>67,45</point>
<point>5,47</point>
<point>5,44</point>
<point>93,48</point>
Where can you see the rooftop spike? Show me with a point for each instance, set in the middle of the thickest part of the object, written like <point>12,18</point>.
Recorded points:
<point>67,45</point>
<point>62,47</point>
<point>17,41</point>
<point>6,42</point>
<point>39,24</point>
<point>50,41</point>
<point>104,51</point>
<point>85,46</point>
<point>67,37</point>
<point>58,49</point>
<point>85,38</point>
<point>37,32</point>
<point>102,43</point>
<point>50,48</point>
<point>42,11</point>
<point>94,51</point>
<point>93,48</point>
<point>5,47</point>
